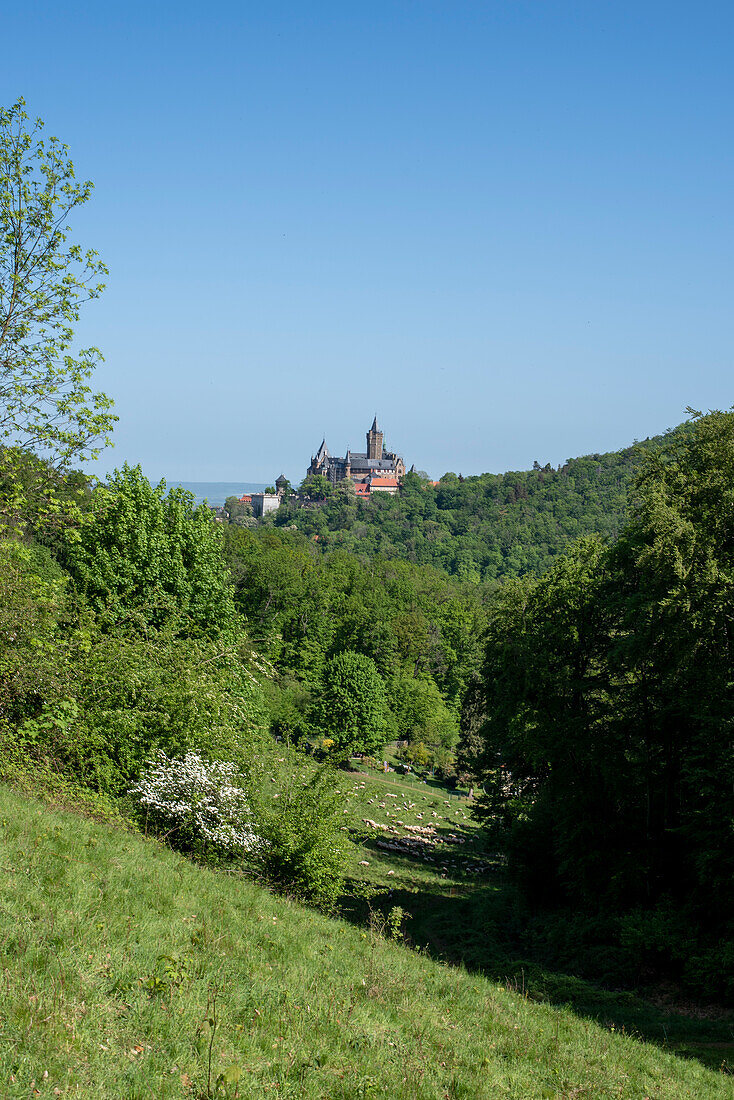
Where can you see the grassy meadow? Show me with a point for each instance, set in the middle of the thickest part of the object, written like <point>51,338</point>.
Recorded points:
<point>129,971</point>
<point>457,909</point>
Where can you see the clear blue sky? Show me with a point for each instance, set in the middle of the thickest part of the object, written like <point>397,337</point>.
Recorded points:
<point>506,227</point>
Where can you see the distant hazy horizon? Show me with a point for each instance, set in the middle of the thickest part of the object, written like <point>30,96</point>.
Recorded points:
<point>216,492</point>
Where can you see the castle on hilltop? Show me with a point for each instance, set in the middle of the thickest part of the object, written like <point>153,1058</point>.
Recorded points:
<point>375,470</point>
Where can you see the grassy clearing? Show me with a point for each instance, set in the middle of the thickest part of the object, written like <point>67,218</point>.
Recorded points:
<point>412,832</point>
<point>130,972</point>
<point>457,910</point>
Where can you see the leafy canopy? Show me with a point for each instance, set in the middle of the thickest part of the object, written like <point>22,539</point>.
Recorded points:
<point>608,703</point>
<point>353,707</point>
<point>45,401</point>
<point>153,557</point>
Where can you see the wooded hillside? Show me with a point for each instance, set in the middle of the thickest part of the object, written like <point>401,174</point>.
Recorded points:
<point>487,527</point>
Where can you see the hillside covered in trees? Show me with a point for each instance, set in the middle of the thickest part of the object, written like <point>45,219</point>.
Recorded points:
<point>600,725</point>
<point>487,527</point>
<point>420,630</point>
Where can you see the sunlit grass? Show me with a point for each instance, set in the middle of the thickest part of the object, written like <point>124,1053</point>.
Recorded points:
<point>130,972</point>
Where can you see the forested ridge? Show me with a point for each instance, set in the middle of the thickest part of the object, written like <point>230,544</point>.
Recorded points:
<point>486,527</point>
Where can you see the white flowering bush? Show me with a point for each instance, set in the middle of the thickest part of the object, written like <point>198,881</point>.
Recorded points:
<point>197,802</point>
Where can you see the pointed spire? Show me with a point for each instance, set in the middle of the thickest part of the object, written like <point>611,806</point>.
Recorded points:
<point>374,427</point>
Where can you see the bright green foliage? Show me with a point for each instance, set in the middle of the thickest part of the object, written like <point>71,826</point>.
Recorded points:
<point>36,651</point>
<point>298,811</point>
<point>96,703</point>
<point>98,710</point>
<point>45,400</point>
<point>421,628</point>
<point>38,500</point>
<point>141,693</point>
<point>151,559</point>
<point>305,606</point>
<point>417,753</point>
<point>420,712</point>
<point>353,708</point>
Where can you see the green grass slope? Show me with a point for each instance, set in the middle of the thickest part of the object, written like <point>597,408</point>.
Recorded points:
<point>128,971</point>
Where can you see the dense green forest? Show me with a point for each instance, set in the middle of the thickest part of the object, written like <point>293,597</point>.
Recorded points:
<point>420,628</point>
<point>601,723</point>
<point>591,705</point>
<point>487,527</point>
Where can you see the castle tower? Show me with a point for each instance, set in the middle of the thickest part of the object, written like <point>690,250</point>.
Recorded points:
<point>374,441</point>
<point>348,463</point>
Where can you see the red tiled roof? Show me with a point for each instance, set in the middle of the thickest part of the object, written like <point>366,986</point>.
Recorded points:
<point>246,498</point>
<point>384,482</point>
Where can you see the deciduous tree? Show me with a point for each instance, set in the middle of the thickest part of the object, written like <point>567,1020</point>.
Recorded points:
<point>153,558</point>
<point>46,403</point>
<point>353,709</point>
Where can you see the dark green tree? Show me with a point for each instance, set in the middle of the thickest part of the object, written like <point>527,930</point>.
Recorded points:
<point>675,610</point>
<point>315,487</point>
<point>420,712</point>
<point>605,750</point>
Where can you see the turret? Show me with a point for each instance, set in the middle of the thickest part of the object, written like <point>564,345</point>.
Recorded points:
<point>374,441</point>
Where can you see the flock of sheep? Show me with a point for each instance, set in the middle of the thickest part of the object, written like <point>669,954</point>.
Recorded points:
<point>421,842</point>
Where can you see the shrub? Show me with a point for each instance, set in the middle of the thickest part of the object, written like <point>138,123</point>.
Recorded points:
<point>197,803</point>
<point>95,704</point>
<point>35,652</point>
<point>301,819</point>
<point>138,695</point>
<point>421,713</point>
<point>288,703</point>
